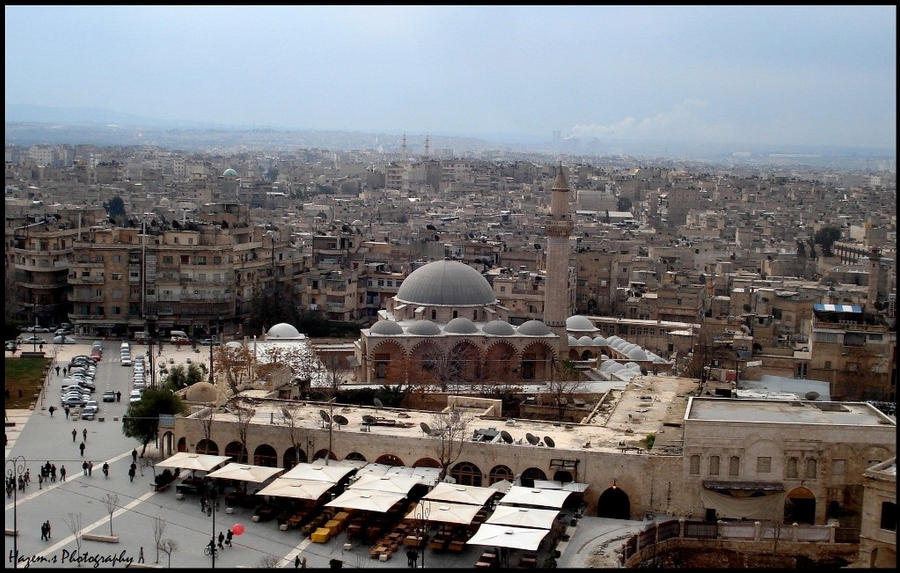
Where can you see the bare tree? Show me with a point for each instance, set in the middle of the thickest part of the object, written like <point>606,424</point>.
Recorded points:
<point>297,433</point>
<point>335,371</point>
<point>111,500</point>
<point>244,417</point>
<point>168,546</point>
<point>236,364</point>
<point>435,366</point>
<point>73,521</point>
<point>268,562</point>
<point>563,385</point>
<point>206,417</point>
<point>159,527</point>
<point>300,359</point>
<point>452,428</point>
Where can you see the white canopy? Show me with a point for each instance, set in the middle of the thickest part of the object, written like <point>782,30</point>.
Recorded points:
<point>508,536</point>
<point>535,496</point>
<point>426,475</point>
<point>444,512</point>
<point>523,516</point>
<point>189,461</point>
<point>461,493</point>
<point>368,500</point>
<point>333,472</point>
<point>245,472</point>
<point>384,483</point>
<point>565,486</point>
<point>296,488</point>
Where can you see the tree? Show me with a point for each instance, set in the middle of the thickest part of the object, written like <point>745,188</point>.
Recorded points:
<point>141,420</point>
<point>168,546</point>
<point>826,236</point>
<point>111,500</point>
<point>73,521</point>
<point>335,371</point>
<point>236,363</point>
<point>115,209</point>
<point>206,418</point>
<point>159,527</point>
<point>452,428</point>
<point>300,359</point>
<point>176,378</point>
<point>297,433</point>
<point>244,414</point>
<point>561,386</point>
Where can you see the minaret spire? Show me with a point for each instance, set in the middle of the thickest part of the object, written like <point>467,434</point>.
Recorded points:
<point>557,290</point>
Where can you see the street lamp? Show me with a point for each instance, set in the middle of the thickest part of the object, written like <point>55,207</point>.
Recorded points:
<point>212,507</point>
<point>422,511</point>
<point>18,468</point>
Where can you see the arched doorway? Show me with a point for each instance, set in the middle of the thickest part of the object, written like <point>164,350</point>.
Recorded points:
<point>390,460</point>
<point>207,447</point>
<point>426,463</point>
<point>237,451</point>
<point>182,444</point>
<point>563,476</point>
<point>614,503</point>
<point>800,506</point>
<point>265,455</point>
<point>355,456</point>
<point>500,473</point>
<point>320,455</point>
<point>290,457</point>
<point>531,474</point>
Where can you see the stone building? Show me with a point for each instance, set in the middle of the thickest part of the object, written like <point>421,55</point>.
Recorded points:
<point>878,534</point>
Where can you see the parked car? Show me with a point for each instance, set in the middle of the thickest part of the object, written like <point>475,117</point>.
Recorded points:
<point>109,396</point>
<point>11,345</point>
<point>126,360</point>
<point>36,329</point>
<point>32,340</point>
<point>135,396</point>
<point>210,342</point>
<point>73,400</point>
<point>90,408</point>
<point>62,332</point>
<point>63,340</point>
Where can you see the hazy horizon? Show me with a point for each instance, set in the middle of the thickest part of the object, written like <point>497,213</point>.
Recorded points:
<point>764,75</point>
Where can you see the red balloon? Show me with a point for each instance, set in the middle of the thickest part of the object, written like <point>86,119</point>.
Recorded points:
<point>237,529</point>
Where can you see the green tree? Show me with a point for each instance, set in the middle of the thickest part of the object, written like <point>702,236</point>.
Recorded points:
<point>141,421</point>
<point>826,236</point>
<point>623,204</point>
<point>177,378</point>
<point>115,209</point>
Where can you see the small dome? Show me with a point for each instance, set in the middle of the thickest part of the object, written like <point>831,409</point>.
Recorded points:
<point>534,328</point>
<point>386,328</point>
<point>357,223</point>
<point>611,339</point>
<point>580,323</point>
<point>283,331</point>
<point>637,354</point>
<point>573,341</point>
<point>423,327</point>
<point>447,283</point>
<point>627,347</point>
<point>498,328</point>
<point>585,341</point>
<point>633,366</point>
<point>617,344</point>
<point>234,344</point>
<point>461,325</point>
<point>600,341</point>
<point>229,173</point>
<point>201,392</point>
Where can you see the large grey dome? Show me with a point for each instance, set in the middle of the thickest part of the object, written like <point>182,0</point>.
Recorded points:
<point>580,323</point>
<point>386,328</point>
<point>423,328</point>
<point>534,328</point>
<point>461,325</point>
<point>448,283</point>
<point>498,328</point>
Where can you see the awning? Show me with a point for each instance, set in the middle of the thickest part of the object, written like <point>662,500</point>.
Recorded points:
<point>743,485</point>
<point>565,486</point>
<point>296,488</point>
<point>457,493</point>
<point>508,536</point>
<point>534,496</point>
<point>444,512</point>
<point>384,483</point>
<point>367,500</point>
<point>427,476</point>
<point>523,516</point>
<point>333,472</point>
<point>245,472</point>
<point>189,461</point>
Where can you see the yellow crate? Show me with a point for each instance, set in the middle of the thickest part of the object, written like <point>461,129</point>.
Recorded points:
<point>321,535</point>
<point>333,526</point>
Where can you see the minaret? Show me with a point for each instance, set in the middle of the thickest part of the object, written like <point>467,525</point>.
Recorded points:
<point>556,291</point>
<point>874,271</point>
<point>427,145</point>
<point>403,149</point>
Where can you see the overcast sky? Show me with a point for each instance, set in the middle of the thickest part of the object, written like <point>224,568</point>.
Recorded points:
<point>758,74</point>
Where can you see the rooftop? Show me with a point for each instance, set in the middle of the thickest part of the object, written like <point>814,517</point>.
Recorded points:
<point>786,412</point>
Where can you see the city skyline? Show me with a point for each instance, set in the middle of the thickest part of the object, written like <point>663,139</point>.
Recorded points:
<point>726,75</point>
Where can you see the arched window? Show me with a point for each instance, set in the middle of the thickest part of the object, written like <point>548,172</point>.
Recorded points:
<point>791,470</point>
<point>466,473</point>
<point>433,314</point>
<point>499,473</point>
<point>713,465</point>
<point>734,466</point>
<point>695,465</point>
<point>355,456</point>
<point>811,469</point>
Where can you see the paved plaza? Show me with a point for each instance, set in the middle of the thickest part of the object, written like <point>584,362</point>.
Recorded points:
<point>39,438</point>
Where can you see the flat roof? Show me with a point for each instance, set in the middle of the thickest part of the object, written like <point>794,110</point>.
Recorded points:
<point>785,412</point>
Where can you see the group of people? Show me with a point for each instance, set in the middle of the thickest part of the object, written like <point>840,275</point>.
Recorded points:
<point>45,531</point>
<point>223,541</point>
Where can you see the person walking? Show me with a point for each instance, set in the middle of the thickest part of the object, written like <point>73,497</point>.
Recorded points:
<point>90,467</point>
<point>44,531</point>
<point>74,433</point>
<point>221,539</point>
<point>131,473</point>
<point>411,557</point>
<point>228,537</point>
<point>141,555</point>
<point>62,473</point>
<point>48,529</point>
<point>66,410</point>
<point>53,473</point>
<point>64,371</point>
<point>81,447</point>
<point>51,409</point>
<point>27,476</point>
<point>84,433</point>
<point>297,561</point>
<point>84,467</point>
<point>41,480</point>
<point>57,369</point>
<point>118,396</point>
<point>134,455</point>
<point>106,470</point>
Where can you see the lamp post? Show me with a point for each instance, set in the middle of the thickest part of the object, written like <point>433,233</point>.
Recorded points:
<point>18,468</point>
<point>211,509</point>
<point>423,510</point>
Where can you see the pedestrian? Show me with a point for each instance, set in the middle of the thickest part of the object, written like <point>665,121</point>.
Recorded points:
<point>53,473</point>
<point>118,396</point>
<point>106,470</point>
<point>21,483</point>
<point>47,525</point>
<point>81,447</point>
<point>228,537</point>
<point>90,467</point>
<point>131,474</point>
<point>42,346</point>
<point>51,409</point>
<point>41,481</point>
<point>84,467</point>
<point>66,410</point>
<point>44,531</point>
<point>221,539</point>
<point>62,473</point>
<point>141,555</point>
<point>57,369</point>
<point>297,561</point>
<point>202,504</point>
<point>74,434</point>
<point>411,557</point>
<point>27,476</point>
<point>134,455</point>
<point>84,433</point>
<point>64,371</point>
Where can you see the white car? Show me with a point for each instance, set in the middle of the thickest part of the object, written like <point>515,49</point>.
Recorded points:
<point>126,361</point>
<point>135,396</point>
<point>90,409</point>
<point>63,340</point>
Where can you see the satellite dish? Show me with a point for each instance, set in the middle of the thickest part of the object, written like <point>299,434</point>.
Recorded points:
<point>324,415</point>
<point>425,427</point>
<point>506,437</point>
<point>378,403</point>
<point>340,420</point>
<point>549,441</point>
<point>532,439</point>
<point>286,413</point>
<point>369,419</point>
<point>811,395</point>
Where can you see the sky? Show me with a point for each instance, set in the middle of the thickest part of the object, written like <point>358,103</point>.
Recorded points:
<point>776,75</point>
